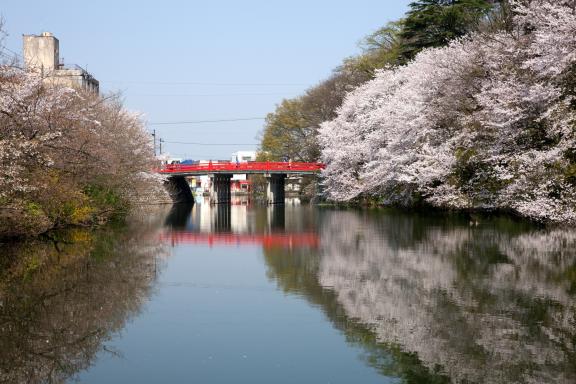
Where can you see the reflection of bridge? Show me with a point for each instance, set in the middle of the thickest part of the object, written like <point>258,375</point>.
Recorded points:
<point>239,225</point>
<point>270,240</point>
<point>221,172</point>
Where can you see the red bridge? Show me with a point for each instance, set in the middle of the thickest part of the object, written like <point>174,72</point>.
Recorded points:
<point>252,167</point>
<point>221,173</point>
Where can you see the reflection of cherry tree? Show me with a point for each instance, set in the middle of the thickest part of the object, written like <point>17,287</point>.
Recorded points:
<point>485,305</point>
<point>61,301</point>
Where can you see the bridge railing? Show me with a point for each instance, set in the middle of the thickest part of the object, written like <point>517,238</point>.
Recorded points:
<point>253,166</point>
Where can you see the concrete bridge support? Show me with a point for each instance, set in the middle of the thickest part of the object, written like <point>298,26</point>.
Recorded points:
<point>179,190</point>
<point>275,188</point>
<point>220,189</point>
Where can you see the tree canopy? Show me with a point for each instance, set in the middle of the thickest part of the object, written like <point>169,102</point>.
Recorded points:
<point>433,23</point>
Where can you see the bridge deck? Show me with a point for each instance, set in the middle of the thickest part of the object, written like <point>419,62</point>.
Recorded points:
<point>252,167</point>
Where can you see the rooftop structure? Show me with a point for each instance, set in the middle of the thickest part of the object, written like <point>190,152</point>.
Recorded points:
<point>42,55</point>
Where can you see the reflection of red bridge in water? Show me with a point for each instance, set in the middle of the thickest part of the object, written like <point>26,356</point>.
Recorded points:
<point>268,240</point>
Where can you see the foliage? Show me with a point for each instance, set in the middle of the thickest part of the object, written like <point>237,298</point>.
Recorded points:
<point>286,128</point>
<point>486,122</point>
<point>379,49</point>
<point>434,23</point>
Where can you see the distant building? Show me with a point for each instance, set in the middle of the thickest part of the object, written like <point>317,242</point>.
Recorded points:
<point>240,183</point>
<point>243,156</point>
<point>240,186</point>
<point>42,55</point>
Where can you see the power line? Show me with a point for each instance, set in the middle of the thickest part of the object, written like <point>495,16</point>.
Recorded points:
<point>195,143</point>
<point>15,53</point>
<point>208,94</point>
<point>206,83</point>
<point>205,121</point>
<point>6,55</point>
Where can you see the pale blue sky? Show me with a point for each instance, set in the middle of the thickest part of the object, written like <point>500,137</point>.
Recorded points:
<point>203,60</point>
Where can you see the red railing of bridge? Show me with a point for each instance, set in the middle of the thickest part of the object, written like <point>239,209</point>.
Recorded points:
<point>252,166</point>
<point>270,240</point>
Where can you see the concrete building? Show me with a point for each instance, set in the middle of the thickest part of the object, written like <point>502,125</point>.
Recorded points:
<point>42,55</point>
<point>243,156</point>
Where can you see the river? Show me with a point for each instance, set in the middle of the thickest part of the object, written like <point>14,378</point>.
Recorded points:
<point>291,294</point>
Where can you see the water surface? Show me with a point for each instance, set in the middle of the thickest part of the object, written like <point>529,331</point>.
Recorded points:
<point>292,294</point>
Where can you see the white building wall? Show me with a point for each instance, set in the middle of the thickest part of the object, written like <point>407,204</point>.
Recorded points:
<point>243,156</point>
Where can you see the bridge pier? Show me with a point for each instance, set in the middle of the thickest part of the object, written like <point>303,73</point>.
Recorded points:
<point>275,188</point>
<point>220,189</point>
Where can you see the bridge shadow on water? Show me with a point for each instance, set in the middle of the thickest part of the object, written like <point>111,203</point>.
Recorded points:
<point>179,215</point>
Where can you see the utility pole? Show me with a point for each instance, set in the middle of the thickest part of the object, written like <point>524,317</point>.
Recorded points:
<point>161,141</point>
<point>154,136</point>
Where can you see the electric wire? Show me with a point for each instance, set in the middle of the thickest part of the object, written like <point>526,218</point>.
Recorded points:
<point>205,121</point>
<point>206,144</point>
<point>11,51</point>
<point>207,83</point>
<point>207,94</point>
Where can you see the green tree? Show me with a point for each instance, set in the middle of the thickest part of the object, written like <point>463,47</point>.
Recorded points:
<point>433,23</point>
<point>287,133</point>
<point>379,49</point>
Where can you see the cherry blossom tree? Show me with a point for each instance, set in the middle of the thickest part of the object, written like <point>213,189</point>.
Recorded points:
<point>486,122</point>
<point>66,155</point>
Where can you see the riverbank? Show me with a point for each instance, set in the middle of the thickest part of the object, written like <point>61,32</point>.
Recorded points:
<point>92,208</point>
<point>27,219</point>
<point>474,217</point>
